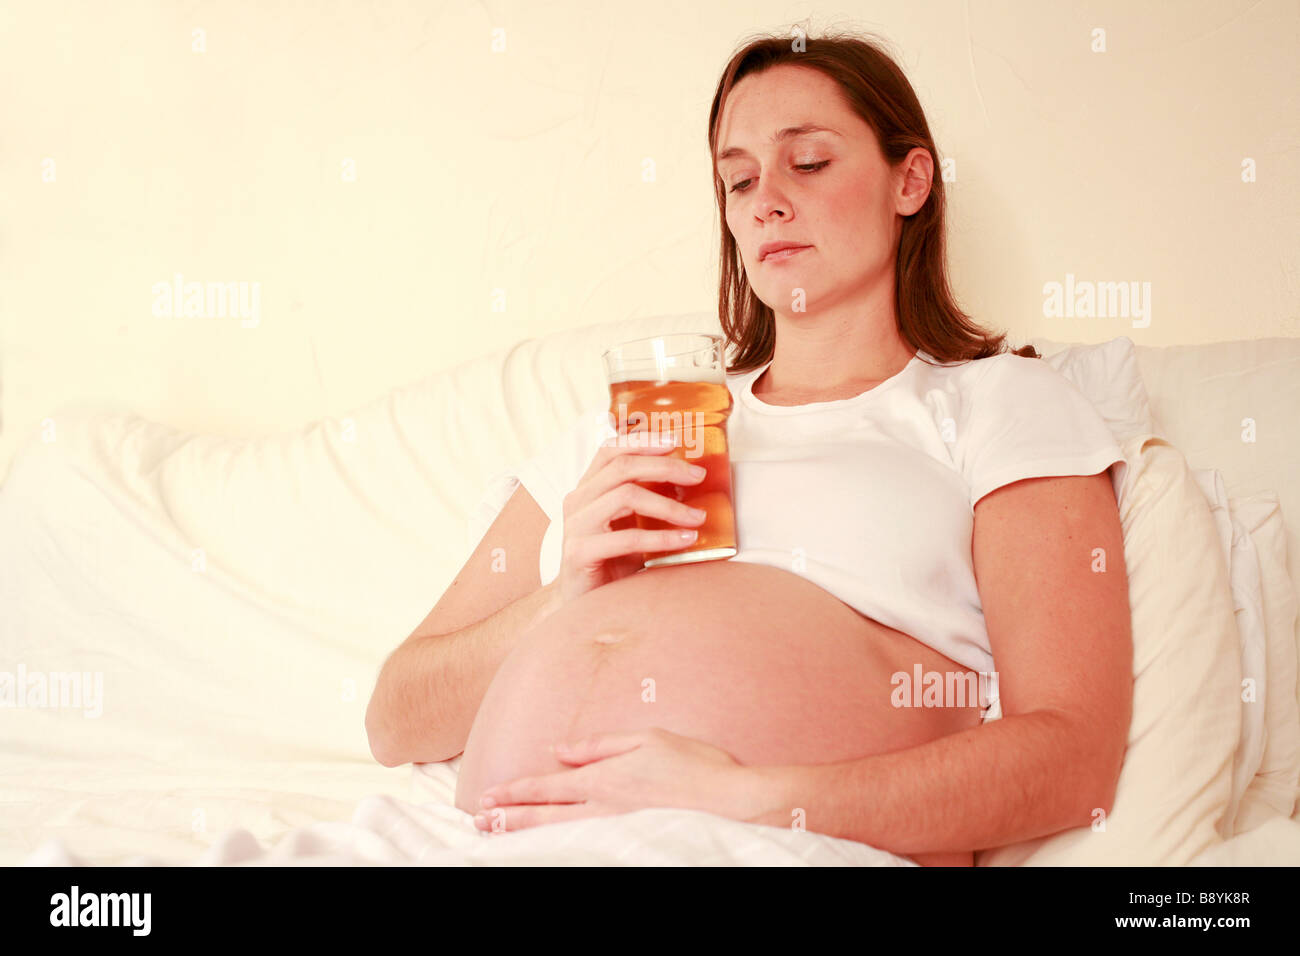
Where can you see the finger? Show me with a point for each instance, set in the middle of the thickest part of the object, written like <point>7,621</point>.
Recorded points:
<point>505,819</point>
<point>630,499</point>
<point>637,442</point>
<point>590,551</point>
<point>598,747</point>
<point>563,786</point>
<point>625,458</point>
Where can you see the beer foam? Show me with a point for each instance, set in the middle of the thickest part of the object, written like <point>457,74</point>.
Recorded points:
<point>673,373</point>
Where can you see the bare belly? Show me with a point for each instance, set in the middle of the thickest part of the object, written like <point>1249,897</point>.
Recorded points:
<point>753,659</point>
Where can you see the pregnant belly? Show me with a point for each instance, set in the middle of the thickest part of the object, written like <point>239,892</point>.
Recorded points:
<point>753,659</point>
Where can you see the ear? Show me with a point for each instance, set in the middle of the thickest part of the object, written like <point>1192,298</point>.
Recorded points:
<point>913,178</point>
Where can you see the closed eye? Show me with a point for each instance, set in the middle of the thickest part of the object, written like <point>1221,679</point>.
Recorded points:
<point>741,186</point>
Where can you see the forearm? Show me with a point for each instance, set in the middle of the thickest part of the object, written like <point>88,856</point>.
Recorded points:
<point>1014,779</point>
<point>430,688</point>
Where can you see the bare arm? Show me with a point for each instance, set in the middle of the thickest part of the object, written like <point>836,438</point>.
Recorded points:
<point>1061,632</point>
<point>430,687</point>
<point>1001,783</point>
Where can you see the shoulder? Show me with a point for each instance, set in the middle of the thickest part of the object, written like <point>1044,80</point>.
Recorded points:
<point>737,380</point>
<point>1016,378</point>
<point>1011,364</point>
<point>1007,388</point>
<point>966,381</point>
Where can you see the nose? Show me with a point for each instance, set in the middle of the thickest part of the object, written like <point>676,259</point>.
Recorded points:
<point>770,201</point>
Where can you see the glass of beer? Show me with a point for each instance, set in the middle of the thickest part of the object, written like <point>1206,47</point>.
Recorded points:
<point>677,385</point>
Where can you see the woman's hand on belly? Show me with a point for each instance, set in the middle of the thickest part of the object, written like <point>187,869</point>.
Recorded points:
<point>618,773</point>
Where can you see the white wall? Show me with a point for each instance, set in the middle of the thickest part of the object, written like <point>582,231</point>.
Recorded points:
<point>522,170</point>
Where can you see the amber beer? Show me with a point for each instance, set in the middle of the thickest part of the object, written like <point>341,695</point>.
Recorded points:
<point>689,399</point>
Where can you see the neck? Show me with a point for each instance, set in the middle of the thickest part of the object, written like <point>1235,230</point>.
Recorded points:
<point>811,367</point>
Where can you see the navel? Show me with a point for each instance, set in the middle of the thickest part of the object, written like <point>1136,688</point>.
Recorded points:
<point>610,635</point>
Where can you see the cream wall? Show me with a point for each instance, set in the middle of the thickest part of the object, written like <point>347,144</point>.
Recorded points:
<point>129,155</point>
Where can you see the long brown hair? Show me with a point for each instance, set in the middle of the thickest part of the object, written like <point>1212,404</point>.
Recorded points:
<point>877,90</point>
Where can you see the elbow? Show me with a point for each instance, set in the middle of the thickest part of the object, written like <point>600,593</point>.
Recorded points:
<point>391,748</point>
<point>383,745</point>
<point>1100,782</point>
<point>396,735</point>
<point>1113,747</point>
<point>384,753</point>
<point>1107,780</point>
<point>381,749</point>
<point>1099,804</point>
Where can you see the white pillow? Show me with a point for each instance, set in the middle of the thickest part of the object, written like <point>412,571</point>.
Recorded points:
<point>1273,789</point>
<point>1108,374</point>
<point>1176,781</point>
<point>1238,551</point>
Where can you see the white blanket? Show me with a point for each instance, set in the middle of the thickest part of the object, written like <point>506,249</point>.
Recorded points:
<point>388,830</point>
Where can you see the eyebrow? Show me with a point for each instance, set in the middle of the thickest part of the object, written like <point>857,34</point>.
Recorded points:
<point>790,131</point>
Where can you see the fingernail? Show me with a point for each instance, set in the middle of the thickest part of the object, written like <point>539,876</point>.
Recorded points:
<point>687,535</point>
<point>487,803</point>
<point>666,438</point>
<point>480,819</point>
<point>698,472</point>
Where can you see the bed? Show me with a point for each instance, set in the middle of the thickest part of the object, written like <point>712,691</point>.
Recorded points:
<point>194,623</point>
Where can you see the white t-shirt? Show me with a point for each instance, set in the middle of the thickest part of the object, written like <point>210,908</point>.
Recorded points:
<point>871,497</point>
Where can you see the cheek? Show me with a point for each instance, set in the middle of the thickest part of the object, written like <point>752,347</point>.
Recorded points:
<point>852,204</point>
<point>861,215</point>
<point>731,219</point>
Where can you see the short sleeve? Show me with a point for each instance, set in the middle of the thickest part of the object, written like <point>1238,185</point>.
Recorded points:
<point>1025,419</point>
<point>548,476</point>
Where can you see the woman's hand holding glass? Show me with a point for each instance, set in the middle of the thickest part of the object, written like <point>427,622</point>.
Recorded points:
<point>602,542</point>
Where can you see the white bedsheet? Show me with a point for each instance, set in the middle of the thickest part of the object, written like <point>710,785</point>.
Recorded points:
<point>152,821</point>
<point>385,830</point>
<point>427,830</point>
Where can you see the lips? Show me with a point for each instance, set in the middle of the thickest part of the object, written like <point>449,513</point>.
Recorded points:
<point>782,254</point>
<point>776,246</point>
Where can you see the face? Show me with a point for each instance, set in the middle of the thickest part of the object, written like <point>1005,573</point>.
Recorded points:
<point>830,191</point>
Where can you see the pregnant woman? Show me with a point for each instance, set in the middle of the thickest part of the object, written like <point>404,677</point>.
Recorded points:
<point>920,513</point>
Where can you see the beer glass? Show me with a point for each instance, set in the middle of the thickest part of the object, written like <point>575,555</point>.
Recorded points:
<point>677,385</point>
